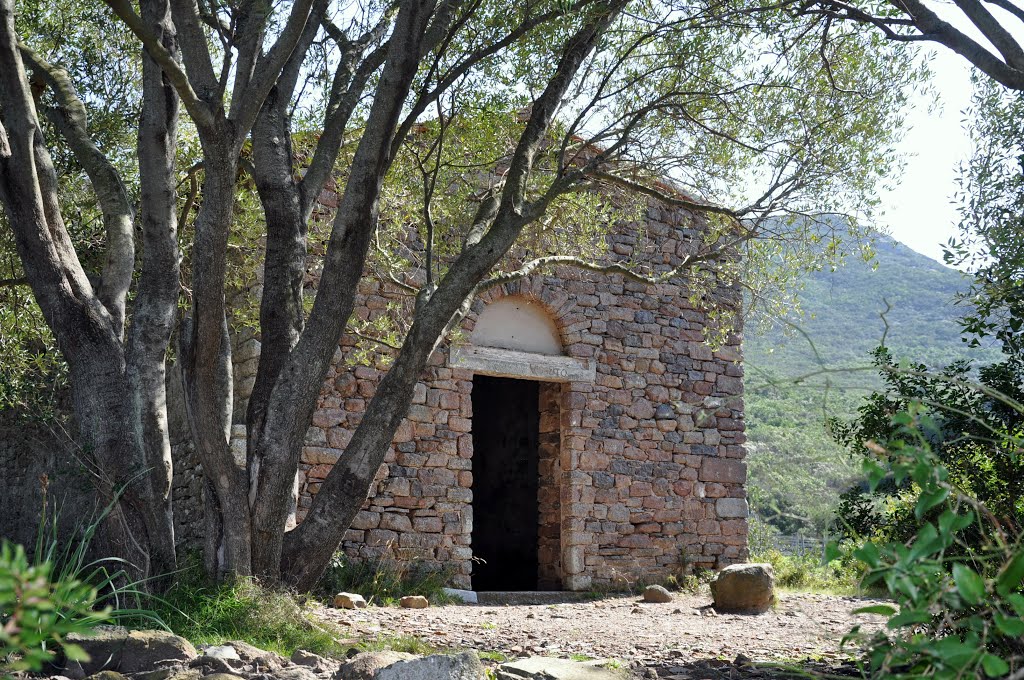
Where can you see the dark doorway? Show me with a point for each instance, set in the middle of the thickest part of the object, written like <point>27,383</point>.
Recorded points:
<point>505,479</point>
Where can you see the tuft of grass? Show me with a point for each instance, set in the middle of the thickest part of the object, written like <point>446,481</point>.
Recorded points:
<point>492,655</point>
<point>410,644</point>
<point>384,582</point>
<point>213,613</point>
<point>580,658</point>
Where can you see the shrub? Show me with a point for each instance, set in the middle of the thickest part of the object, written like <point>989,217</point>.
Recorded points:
<point>38,612</point>
<point>808,572</point>
<point>384,582</point>
<point>956,584</point>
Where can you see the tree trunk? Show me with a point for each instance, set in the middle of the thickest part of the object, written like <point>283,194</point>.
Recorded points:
<point>206,361</point>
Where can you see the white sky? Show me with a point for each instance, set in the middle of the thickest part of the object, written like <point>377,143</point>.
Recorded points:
<point>920,211</point>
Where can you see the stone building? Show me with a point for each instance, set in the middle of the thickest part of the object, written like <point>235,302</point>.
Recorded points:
<point>579,433</point>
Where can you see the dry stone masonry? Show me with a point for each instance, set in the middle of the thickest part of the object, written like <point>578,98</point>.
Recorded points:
<point>639,436</point>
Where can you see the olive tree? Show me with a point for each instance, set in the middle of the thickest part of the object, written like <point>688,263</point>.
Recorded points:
<point>734,112</point>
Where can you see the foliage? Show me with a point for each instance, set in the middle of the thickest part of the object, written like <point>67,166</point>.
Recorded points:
<point>809,572</point>
<point>383,581</point>
<point>973,429</point>
<point>991,243</point>
<point>957,582</point>
<point>39,610</point>
<point>213,613</point>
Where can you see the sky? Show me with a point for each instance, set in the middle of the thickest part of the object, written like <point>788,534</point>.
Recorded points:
<point>919,211</point>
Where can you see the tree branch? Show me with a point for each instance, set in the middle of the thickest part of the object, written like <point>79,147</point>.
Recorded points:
<point>118,216</point>
<point>197,108</point>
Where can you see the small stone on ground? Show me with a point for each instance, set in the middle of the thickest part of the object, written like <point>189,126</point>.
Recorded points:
<point>657,594</point>
<point>414,602</point>
<point>349,601</point>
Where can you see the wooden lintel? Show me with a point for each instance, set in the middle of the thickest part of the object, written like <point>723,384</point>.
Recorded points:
<point>507,363</point>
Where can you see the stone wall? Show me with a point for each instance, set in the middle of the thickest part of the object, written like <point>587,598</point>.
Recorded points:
<point>642,471</point>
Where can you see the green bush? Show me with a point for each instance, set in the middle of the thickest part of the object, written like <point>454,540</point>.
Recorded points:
<point>384,582</point>
<point>38,612</point>
<point>958,607</point>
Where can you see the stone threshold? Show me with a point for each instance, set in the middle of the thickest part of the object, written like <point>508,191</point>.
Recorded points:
<point>527,597</point>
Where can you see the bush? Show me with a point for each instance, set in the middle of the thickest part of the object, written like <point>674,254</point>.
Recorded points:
<point>957,584</point>
<point>384,582</point>
<point>38,612</point>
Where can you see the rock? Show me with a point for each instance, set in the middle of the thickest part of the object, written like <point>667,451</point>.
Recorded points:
<point>106,675</point>
<point>349,601</point>
<point>746,588</point>
<point>304,658</point>
<point>222,652</point>
<point>558,669</point>
<point>132,652</point>
<point>657,594</point>
<point>465,666</point>
<point>467,596</point>
<point>365,666</point>
<point>294,673</point>
<point>414,602</point>
<point>222,676</point>
<point>250,654</point>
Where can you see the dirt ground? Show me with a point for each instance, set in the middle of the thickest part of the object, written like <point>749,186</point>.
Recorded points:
<point>662,638</point>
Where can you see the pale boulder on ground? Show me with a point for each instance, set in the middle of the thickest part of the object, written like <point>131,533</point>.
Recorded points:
<point>657,594</point>
<point>414,602</point>
<point>349,601</point>
<point>465,666</point>
<point>746,588</point>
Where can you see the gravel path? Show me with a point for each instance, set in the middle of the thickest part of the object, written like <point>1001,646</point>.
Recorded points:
<point>624,628</point>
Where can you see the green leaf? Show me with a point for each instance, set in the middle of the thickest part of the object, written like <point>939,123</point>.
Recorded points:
<point>1009,626</point>
<point>883,609</point>
<point>968,583</point>
<point>1011,575</point>
<point>75,653</point>
<point>994,666</point>
<point>832,551</point>
<point>929,500</point>
<point>868,554</point>
<point>910,618</point>
<point>1016,601</point>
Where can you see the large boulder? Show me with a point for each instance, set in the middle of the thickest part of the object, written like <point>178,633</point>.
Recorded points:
<point>132,651</point>
<point>744,588</point>
<point>366,665</point>
<point>465,666</point>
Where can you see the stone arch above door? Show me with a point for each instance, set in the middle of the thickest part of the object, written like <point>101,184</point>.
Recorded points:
<point>515,337</point>
<point>516,323</point>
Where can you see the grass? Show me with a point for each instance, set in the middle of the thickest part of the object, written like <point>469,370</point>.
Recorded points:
<point>244,610</point>
<point>384,582</point>
<point>806,573</point>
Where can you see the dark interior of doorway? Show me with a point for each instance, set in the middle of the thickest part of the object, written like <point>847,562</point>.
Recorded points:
<point>505,479</point>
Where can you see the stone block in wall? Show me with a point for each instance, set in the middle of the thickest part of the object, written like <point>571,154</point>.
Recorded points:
<point>731,508</point>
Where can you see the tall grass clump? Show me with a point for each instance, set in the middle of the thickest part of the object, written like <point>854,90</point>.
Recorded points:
<point>384,582</point>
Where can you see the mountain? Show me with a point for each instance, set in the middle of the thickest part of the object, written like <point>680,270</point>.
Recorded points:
<point>796,470</point>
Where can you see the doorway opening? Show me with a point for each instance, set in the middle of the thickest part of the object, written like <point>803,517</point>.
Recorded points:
<point>506,441</point>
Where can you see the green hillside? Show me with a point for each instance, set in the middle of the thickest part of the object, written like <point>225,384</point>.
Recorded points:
<point>796,471</point>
